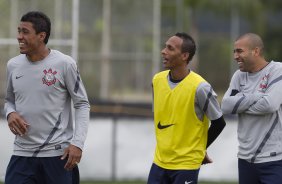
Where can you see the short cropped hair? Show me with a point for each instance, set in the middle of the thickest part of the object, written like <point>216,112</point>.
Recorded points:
<point>188,45</point>
<point>254,41</point>
<point>40,22</point>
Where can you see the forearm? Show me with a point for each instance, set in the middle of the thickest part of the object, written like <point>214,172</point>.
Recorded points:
<point>9,105</point>
<point>271,100</point>
<point>238,103</point>
<point>81,127</point>
<point>264,105</point>
<point>8,108</point>
<point>215,129</point>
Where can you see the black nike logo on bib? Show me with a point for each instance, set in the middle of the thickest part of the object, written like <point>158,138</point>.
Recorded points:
<point>163,126</point>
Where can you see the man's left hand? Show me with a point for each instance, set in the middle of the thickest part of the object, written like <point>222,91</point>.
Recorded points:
<point>207,160</point>
<point>73,154</point>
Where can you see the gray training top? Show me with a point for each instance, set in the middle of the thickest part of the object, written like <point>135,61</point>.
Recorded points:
<point>205,101</point>
<point>258,105</point>
<point>42,93</point>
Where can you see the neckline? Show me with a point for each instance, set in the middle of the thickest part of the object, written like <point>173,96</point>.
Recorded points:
<point>39,61</point>
<point>254,73</point>
<point>175,80</point>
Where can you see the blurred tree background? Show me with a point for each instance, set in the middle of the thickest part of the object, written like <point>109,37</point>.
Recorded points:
<point>119,41</point>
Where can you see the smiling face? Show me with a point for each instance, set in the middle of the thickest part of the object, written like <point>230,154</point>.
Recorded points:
<point>29,40</point>
<point>172,54</point>
<point>244,55</point>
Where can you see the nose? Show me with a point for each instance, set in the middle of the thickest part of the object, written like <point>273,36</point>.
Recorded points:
<point>19,36</point>
<point>163,51</point>
<point>235,55</point>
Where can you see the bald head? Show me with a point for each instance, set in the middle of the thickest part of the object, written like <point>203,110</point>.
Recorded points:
<point>253,41</point>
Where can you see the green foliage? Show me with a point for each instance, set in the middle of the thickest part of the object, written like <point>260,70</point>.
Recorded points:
<point>131,34</point>
<point>215,61</point>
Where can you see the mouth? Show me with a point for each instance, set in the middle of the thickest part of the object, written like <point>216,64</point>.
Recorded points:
<point>240,64</point>
<point>165,60</point>
<point>21,44</point>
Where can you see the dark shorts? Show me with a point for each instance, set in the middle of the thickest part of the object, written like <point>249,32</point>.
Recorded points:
<point>266,173</point>
<point>159,175</point>
<point>39,170</point>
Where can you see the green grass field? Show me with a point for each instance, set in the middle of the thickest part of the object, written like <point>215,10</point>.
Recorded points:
<point>138,182</point>
<point>142,182</point>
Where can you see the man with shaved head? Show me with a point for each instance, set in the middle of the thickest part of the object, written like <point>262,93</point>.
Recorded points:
<point>255,95</point>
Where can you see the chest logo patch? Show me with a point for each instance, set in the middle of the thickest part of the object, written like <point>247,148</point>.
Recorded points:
<point>49,77</point>
<point>264,83</point>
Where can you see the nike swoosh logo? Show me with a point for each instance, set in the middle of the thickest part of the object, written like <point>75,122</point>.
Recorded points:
<point>17,77</point>
<point>186,182</point>
<point>163,126</point>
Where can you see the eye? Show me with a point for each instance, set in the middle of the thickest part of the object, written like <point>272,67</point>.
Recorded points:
<point>169,47</point>
<point>238,51</point>
<point>25,31</point>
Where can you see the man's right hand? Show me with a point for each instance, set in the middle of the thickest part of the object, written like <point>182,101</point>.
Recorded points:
<point>17,124</point>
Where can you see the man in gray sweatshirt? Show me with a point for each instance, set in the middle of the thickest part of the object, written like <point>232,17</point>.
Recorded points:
<point>255,95</point>
<point>42,83</point>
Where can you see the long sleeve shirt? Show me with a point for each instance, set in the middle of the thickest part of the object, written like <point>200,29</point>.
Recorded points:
<point>256,98</point>
<point>46,93</point>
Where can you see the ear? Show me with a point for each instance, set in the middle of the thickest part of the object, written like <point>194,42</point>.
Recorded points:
<point>256,51</point>
<point>42,36</point>
<point>185,56</point>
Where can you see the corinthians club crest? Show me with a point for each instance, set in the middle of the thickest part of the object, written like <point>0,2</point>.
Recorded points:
<point>264,83</point>
<point>49,77</point>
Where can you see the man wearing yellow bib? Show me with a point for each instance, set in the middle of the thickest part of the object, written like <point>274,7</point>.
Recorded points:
<point>184,104</point>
